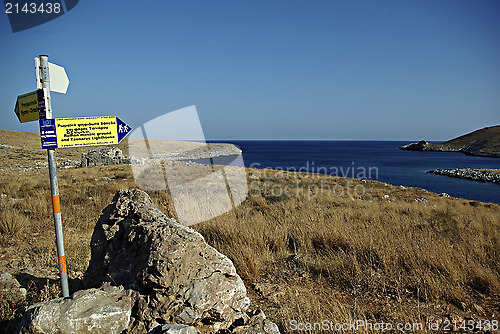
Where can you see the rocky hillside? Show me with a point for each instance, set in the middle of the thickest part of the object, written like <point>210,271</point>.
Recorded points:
<point>484,142</point>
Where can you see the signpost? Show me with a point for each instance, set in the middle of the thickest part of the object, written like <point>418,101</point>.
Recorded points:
<point>44,78</point>
<point>60,133</point>
<point>31,106</point>
<point>88,131</point>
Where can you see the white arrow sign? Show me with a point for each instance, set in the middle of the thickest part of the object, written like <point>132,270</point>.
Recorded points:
<point>59,81</point>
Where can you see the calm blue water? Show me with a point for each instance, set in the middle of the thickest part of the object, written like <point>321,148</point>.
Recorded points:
<point>380,160</point>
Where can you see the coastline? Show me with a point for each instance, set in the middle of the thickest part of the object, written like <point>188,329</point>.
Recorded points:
<point>179,150</point>
<point>484,142</point>
<point>425,146</point>
<point>482,175</point>
<point>341,158</point>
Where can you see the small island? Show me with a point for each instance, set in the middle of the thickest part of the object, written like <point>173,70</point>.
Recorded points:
<point>484,142</point>
<point>483,175</point>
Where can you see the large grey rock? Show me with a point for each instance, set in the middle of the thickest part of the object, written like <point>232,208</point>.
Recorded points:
<point>181,279</point>
<point>105,310</point>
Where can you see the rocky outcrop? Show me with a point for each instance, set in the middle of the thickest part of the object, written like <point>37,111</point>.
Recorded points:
<point>470,174</point>
<point>420,146</point>
<point>484,142</point>
<point>104,310</point>
<point>167,275</point>
<point>101,156</point>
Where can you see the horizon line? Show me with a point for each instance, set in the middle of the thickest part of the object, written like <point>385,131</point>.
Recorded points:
<point>281,139</point>
<point>312,139</point>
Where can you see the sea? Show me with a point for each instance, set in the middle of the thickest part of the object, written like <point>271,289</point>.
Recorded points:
<point>376,160</point>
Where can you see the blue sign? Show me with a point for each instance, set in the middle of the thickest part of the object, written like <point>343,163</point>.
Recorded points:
<point>41,104</point>
<point>48,133</point>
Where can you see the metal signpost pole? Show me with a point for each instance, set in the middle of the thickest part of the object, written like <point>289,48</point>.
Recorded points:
<point>54,187</point>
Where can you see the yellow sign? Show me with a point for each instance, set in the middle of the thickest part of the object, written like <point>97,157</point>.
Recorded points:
<point>30,105</point>
<point>90,131</point>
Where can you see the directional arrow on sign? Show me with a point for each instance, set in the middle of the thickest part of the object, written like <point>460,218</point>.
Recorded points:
<point>31,106</point>
<point>59,81</point>
<point>123,129</point>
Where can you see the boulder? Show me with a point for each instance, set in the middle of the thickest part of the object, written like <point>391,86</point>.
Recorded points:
<point>180,278</point>
<point>160,277</point>
<point>105,310</point>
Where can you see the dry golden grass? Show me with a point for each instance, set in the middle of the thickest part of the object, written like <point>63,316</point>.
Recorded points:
<point>309,247</point>
<point>381,258</point>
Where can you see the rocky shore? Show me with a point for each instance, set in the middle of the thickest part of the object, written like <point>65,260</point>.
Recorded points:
<point>483,175</point>
<point>484,142</point>
<point>179,150</point>
<point>422,146</point>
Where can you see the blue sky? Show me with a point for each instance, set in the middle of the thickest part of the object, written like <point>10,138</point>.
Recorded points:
<point>271,69</point>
